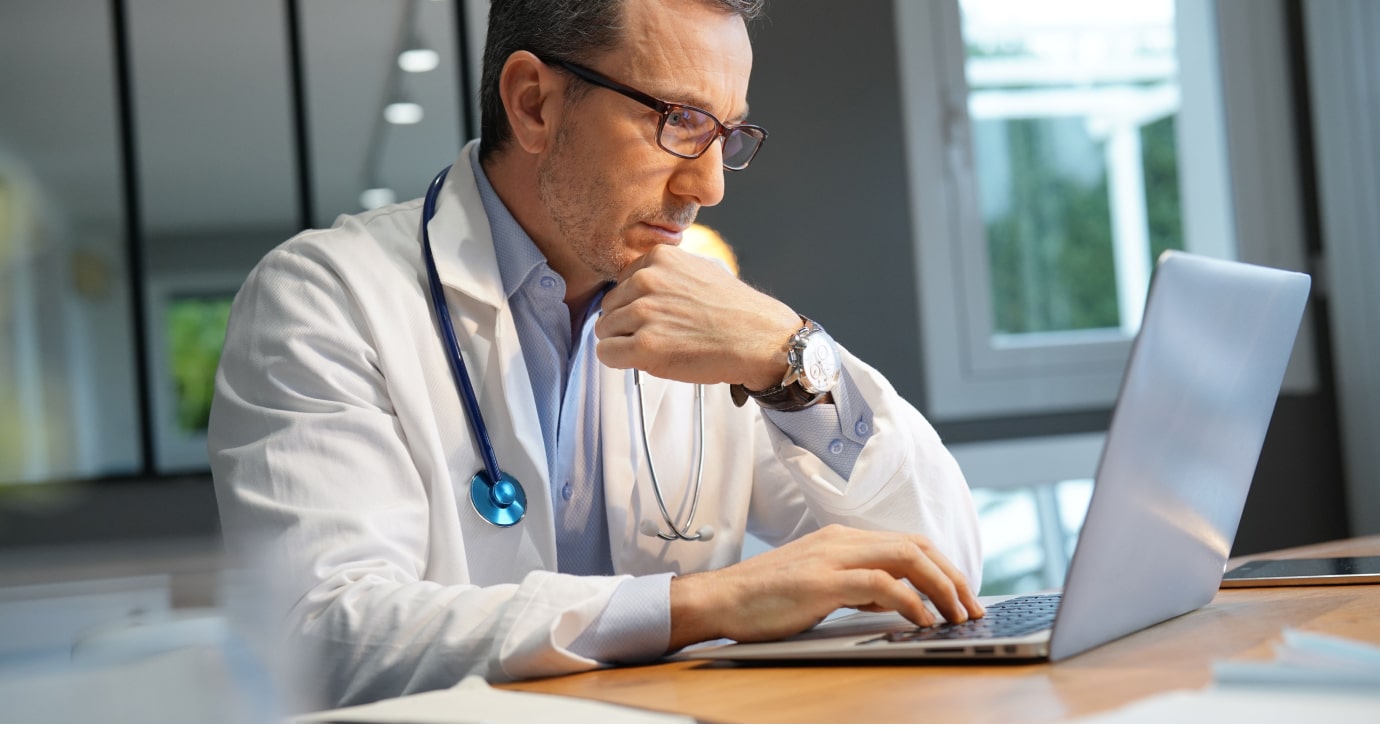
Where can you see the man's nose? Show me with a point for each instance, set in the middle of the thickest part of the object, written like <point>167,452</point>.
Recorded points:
<point>701,179</point>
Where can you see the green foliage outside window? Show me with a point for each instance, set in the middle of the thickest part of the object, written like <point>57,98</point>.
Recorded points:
<point>1163,212</point>
<point>1051,254</point>
<point>196,334</point>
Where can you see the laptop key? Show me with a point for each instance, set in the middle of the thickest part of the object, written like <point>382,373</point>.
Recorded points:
<point>1013,617</point>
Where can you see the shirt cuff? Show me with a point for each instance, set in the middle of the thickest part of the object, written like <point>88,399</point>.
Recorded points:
<point>635,626</point>
<point>820,429</point>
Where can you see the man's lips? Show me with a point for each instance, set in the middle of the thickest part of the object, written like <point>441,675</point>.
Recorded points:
<point>669,231</point>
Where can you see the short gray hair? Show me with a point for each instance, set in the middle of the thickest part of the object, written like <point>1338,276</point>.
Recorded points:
<point>569,30</point>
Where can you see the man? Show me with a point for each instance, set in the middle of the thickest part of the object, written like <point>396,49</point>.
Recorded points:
<point>343,458</point>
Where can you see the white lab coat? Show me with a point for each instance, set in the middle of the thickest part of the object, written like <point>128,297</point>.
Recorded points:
<point>342,460</point>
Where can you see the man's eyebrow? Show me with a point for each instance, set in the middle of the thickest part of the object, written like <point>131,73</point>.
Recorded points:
<point>690,98</point>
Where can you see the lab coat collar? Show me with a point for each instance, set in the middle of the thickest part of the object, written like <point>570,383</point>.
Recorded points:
<point>461,239</point>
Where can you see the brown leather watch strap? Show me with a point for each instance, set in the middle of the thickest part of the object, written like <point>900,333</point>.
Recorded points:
<point>791,397</point>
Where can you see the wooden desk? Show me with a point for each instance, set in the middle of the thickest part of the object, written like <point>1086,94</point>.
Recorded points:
<point>1177,654</point>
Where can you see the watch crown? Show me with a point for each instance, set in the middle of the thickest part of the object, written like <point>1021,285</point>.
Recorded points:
<point>812,359</point>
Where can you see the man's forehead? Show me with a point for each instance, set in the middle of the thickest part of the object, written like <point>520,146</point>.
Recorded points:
<point>687,52</point>
<point>682,93</point>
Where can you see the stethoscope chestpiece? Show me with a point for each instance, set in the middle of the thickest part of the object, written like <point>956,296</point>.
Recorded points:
<point>501,503</point>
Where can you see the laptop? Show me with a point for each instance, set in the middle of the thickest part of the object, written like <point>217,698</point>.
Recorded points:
<point>1195,401</point>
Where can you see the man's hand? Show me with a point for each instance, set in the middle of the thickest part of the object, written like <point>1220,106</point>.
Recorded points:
<point>789,589</point>
<point>683,317</point>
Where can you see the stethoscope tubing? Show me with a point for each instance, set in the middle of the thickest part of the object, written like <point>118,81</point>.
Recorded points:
<point>684,532</point>
<point>457,365</point>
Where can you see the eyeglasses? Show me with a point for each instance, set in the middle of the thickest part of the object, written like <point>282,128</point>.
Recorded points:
<point>684,131</point>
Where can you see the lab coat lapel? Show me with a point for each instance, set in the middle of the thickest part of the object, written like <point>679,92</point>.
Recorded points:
<point>464,250</point>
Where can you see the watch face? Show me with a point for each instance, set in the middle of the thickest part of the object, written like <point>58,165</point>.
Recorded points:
<point>820,366</point>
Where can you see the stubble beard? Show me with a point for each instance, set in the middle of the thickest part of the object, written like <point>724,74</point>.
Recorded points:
<point>571,194</point>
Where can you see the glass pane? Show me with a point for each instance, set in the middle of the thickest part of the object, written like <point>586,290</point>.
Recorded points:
<point>1013,559</point>
<point>366,62</point>
<point>1029,533</point>
<point>217,167</point>
<point>1073,498</point>
<point>68,403</point>
<point>1073,105</point>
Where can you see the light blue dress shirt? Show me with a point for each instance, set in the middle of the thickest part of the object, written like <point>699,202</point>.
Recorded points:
<point>636,624</point>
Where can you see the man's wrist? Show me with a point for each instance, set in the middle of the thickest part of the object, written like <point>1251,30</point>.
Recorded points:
<point>692,615</point>
<point>813,368</point>
<point>775,365</point>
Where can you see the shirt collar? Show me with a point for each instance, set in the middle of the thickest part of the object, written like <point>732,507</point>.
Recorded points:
<point>518,256</point>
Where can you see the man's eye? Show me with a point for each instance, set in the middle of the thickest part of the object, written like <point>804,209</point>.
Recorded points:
<point>676,118</point>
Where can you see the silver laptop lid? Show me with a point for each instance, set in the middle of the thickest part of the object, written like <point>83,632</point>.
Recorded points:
<point>1196,399</point>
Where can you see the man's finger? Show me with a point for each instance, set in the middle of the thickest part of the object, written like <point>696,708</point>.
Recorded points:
<point>618,353</point>
<point>902,556</point>
<point>876,587</point>
<point>966,594</point>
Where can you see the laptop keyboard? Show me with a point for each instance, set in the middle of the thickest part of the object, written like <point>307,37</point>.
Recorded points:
<point>1013,617</point>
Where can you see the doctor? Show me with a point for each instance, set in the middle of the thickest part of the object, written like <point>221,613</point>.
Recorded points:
<point>346,462</point>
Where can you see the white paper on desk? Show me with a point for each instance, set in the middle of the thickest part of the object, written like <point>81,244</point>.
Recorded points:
<point>1246,705</point>
<point>473,700</point>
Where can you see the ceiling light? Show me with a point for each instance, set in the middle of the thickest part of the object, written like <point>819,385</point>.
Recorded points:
<point>403,112</point>
<point>418,60</point>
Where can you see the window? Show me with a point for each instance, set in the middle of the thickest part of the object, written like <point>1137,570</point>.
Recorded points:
<point>1028,534</point>
<point>187,314</point>
<point>1031,495</point>
<point>1055,149</point>
<point>370,149</point>
<point>68,382</point>
<point>122,246</point>
<point>215,153</point>
<point>1072,107</point>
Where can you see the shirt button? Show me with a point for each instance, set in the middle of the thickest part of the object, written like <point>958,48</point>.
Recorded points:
<point>566,491</point>
<point>862,427</point>
<point>836,447</point>
<point>548,281</point>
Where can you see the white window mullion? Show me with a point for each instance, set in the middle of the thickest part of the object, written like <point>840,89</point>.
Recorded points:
<point>1130,229</point>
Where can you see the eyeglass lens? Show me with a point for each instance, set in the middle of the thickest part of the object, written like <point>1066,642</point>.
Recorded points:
<point>689,132</point>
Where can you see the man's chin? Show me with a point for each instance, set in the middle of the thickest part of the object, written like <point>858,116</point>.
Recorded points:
<point>636,252</point>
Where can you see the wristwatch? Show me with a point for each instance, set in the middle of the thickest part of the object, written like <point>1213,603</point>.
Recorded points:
<point>813,368</point>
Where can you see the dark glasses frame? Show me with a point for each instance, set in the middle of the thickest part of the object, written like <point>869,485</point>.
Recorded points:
<point>757,135</point>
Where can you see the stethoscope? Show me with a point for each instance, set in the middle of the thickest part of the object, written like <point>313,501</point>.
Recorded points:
<point>497,496</point>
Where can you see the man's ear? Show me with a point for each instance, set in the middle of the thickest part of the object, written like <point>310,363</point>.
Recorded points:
<point>529,89</point>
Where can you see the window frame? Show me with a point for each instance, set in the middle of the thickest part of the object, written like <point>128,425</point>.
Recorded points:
<point>1243,46</point>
